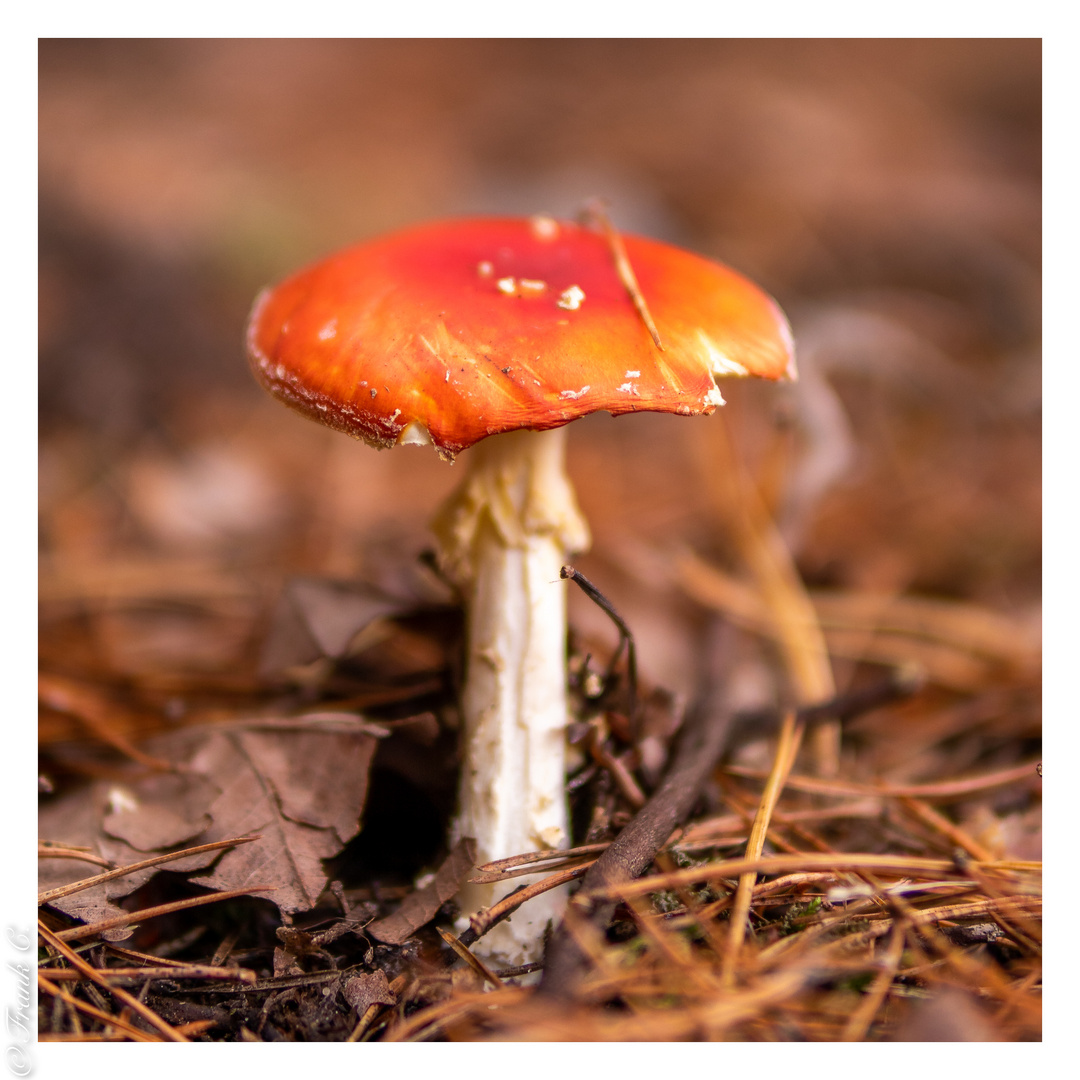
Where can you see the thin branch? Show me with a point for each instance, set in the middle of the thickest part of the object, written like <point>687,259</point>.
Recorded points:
<point>482,921</point>
<point>626,639</point>
<point>702,741</point>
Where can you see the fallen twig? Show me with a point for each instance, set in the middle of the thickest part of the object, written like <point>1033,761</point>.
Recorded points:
<point>626,640</point>
<point>940,789</point>
<point>702,741</point>
<point>482,921</point>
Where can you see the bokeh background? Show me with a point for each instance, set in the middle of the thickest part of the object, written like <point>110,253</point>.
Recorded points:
<point>886,192</point>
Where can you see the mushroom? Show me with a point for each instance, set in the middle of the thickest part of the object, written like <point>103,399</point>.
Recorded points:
<point>494,333</point>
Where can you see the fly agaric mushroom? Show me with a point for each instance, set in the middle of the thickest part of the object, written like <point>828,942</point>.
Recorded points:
<point>494,333</point>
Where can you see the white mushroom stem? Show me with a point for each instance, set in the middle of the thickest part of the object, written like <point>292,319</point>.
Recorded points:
<point>505,533</point>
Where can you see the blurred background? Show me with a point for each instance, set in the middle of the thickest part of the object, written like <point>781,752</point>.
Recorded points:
<point>886,192</point>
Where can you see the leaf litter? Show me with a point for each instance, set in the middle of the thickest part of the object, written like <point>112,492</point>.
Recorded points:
<point>295,775</point>
<point>828,827</point>
<point>300,791</point>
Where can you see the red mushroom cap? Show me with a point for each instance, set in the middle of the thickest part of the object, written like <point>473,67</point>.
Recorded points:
<point>468,328</point>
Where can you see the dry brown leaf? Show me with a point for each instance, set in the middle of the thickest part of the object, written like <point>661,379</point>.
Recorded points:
<point>168,811</point>
<point>296,945</point>
<point>302,790</point>
<point>75,819</point>
<point>366,989</point>
<point>317,617</point>
<point>419,906</point>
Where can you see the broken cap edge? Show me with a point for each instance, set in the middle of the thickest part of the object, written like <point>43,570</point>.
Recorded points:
<point>403,419</point>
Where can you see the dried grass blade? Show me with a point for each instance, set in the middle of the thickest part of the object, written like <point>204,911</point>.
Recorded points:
<point>184,971</point>
<point>665,942</point>
<point>623,268</point>
<point>703,915</point>
<point>48,850</point>
<point>731,827</point>
<point>941,789</point>
<point>427,1022</point>
<point>474,962</point>
<point>892,622</point>
<point>942,825</point>
<point>530,857</point>
<point>86,883</point>
<point>860,1020</point>
<point>75,933</point>
<point>145,958</point>
<point>880,925</point>
<point>765,554</point>
<point>913,866</point>
<point>94,976</point>
<point>526,871</point>
<point>791,733</point>
<point>90,1010</point>
<point>196,1027</point>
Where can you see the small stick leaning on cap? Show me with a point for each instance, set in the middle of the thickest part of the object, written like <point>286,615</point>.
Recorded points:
<point>493,334</point>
